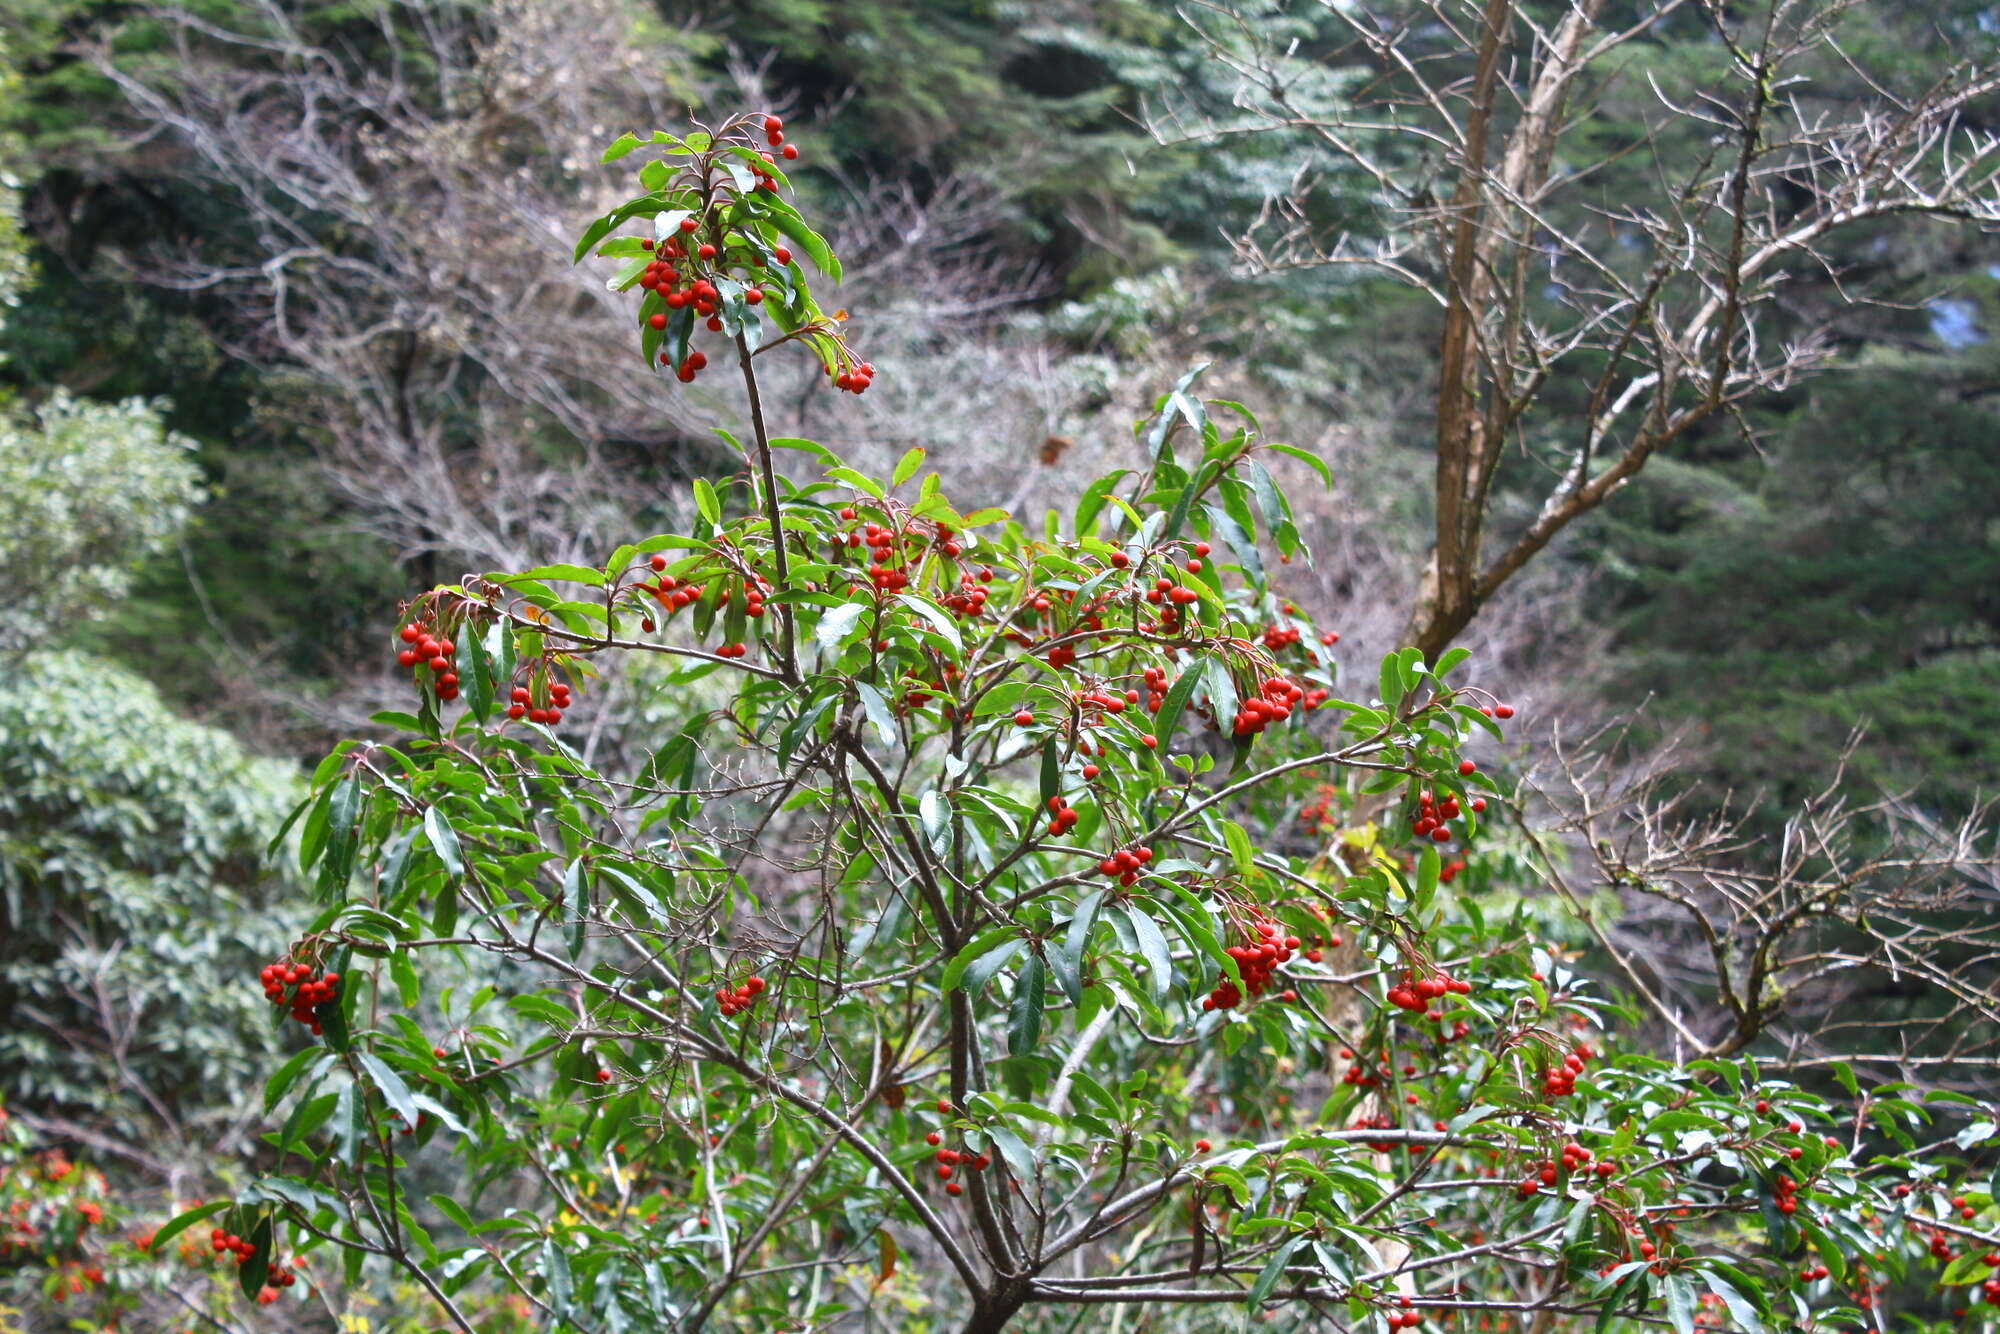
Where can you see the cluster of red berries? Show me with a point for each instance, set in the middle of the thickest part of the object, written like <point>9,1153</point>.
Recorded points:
<point>950,1160</point>
<point>735,1000</point>
<point>1257,962</point>
<point>1560,1081</point>
<point>1405,1317</point>
<point>696,361</point>
<point>424,649</point>
<point>1318,814</point>
<point>308,992</point>
<point>1786,1192</point>
<point>668,591</point>
<point>1104,701</point>
<point>1064,817</point>
<point>774,134</point>
<point>855,379</point>
<point>1379,1121</point>
<point>969,601</point>
<point>550,714</point>
<point>1166,590</point>
<point>1575,1158</point>
<point>1274,705</point>
<point>882,549</point>
<point>1124,864</point>
<point>1040,613</point>
<point>1416,993</point>
<point>1358,1073</point>
<point>224,1242</point>
<point>1433,815</point>
<point>1500,711</point>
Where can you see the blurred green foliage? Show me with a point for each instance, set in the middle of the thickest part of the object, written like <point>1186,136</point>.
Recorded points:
<point>133,898</point>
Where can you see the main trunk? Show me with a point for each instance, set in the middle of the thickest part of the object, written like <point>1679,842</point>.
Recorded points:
<point>992,1315</point>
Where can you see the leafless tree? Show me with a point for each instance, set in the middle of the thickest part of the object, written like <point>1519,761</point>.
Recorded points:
<point>1862,925</point>
<point>1463,117</point>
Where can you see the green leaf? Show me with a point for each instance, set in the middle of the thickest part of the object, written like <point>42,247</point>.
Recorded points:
<point>182,1222</point>
<point>288,1074</point>
<point>1069,971</point>
<point>394,1091</point>
<point>934,814</point>
<point>1176,701</point>
<point>1240,542</point>
<point>980,944</point>
<point>1428,866</point>
<point>880,717</point>
<point>1241,851</point>
<point>939,618</point>
<point>1273,1272</point>
<point>835,625</point>
<point>1014,1152</point>
<point>1735,1287</point>
<point>1391,684</point>
<point>804,446</point>
<point>705,500</point>
<point>1680,1304</point>
<point>443,840</point>
<point>1092,502</point>
<point>250,1275</point>
<point>312,836</point>
<point>338,862</point>
<point>455,1211</point>
<point>811,242</point>
<point>983,969</point>
<point>1024,1016</point>
<point>1153,946</point>
<point>906,467</point>
<point>1317,463</point>
<point>555,1271</point>
<point>1829,1251</point>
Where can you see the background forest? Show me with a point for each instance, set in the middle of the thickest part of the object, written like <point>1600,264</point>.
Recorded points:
<point>291,333</point>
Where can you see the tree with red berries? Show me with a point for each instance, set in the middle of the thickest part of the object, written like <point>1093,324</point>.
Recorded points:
<point>984,945</point>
